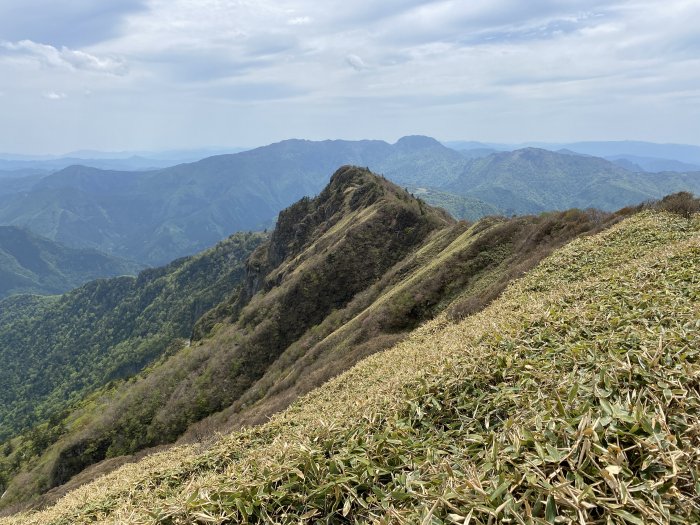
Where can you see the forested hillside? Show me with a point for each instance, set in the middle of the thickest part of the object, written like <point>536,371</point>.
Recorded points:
<point>59,349</point>
<point>32,264</point>
<point>534,180</point>
<point>156,216</point>
<point>343,276</point>
<point>572,398</point>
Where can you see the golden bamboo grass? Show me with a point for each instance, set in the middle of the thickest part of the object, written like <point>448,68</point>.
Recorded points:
<point>575,398</point>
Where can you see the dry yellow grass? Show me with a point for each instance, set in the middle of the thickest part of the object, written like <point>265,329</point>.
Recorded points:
<point>574,398</point>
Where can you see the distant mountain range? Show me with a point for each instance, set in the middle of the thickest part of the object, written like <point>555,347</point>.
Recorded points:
<point>232,335</point>
<point>32,264</point>
<point>129,164</point>
<point>127,161</point>
<point>533,180</point>
<point>632,155</point>
<point>679,152</point>
<point>642,156</point>
<point>651,164</point>
<point>155,216</point>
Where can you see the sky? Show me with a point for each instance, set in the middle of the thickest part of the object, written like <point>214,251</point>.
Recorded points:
<point>116,75</point>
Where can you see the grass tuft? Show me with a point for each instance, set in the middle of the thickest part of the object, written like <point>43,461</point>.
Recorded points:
<point>573,398</point>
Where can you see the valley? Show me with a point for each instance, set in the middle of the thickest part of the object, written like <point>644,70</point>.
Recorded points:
<point>488,358</point>
<point>30,264</point>
<point>153,217</point>
<point>226,339</point>
<point>416,262</point>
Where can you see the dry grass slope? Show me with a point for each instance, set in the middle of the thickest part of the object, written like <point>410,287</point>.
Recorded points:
<point>574,398</point>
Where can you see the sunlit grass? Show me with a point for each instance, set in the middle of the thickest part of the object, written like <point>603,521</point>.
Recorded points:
<point>574,398</point>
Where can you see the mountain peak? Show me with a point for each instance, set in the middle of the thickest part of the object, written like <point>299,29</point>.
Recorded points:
<point>349,176</point>
<point>416,141</point>
<point>532,152</point>
<point>350,190</point>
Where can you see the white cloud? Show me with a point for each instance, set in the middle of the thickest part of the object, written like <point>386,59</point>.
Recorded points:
<point>55,95</point>
<point>64,57</point>
<point>299,21</point>
<point>254,71</point>
<point>73,23</point>
<point>356,62</point>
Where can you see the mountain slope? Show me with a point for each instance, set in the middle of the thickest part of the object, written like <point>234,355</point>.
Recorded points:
<point>459,270</point>
<point>574,398</point>
<point>104,330</point>
<point>14,185</point>
<point>8,175</point>
<point>357,228</point>
<point>533,180</point>
<point>32,264</point>
<point>156,216</point>
<point>344,275</point>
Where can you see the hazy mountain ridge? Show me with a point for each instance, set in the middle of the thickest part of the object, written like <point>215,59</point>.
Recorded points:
<point>686,153</point>
<point>652,164</point>
<point>32,264</point>
<point>132,163</point>
<point>183,209</point>
<point>683,153</point>
<point>532,180</point>
<point>636,156</point>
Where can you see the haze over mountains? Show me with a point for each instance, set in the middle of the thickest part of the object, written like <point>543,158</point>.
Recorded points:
<point>632,155</point>
<point>651,155</point>
<point>245,278</point>
<point>155,216</point>
<point>341,277</point>
<point>128,161</point>
<point>237,333</point>
<point>30,264</point>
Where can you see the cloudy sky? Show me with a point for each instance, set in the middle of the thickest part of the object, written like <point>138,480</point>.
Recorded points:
<point>156,74</point>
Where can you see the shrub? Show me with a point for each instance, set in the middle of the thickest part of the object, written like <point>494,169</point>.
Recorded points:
<point>682,203</point>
